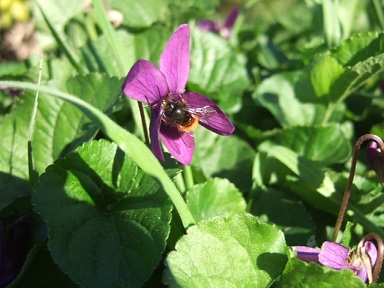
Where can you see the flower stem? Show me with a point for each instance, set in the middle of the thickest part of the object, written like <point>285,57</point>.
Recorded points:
<point>347,192</point>
<point>188,177</point>
<point>143,122</point>
<point>380,254</point>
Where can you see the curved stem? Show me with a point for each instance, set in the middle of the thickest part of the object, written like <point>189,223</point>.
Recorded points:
<point>129,143</point>
<point>380,254</point>
<point>347,192</point>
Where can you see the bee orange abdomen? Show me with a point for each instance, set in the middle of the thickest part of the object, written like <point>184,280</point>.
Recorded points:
<point>190,126</point>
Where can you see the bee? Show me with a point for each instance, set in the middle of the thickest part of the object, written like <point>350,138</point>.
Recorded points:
<point>184,118</point>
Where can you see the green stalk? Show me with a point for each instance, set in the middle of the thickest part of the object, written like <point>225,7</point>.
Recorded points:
<point>379,12</point>
<point>124,61</point>
<point>129,143</point>
<point>188,177</point>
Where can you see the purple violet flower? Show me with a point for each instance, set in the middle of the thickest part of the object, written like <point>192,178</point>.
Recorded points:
<point>175,113</point>
<point>334,255</point>
<point>375,159</point>
<point>224,29</point>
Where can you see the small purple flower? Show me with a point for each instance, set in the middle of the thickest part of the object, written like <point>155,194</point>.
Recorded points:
<point>12,91</point>
<point>337,256</point>
<point>175,113</point>
<point>224,29</point>
<point>376,160</point>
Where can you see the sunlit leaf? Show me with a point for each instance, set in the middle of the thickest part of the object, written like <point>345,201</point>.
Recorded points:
<point>214,197</point>
<point>107,221</point>
<point>300,274</point>
<point>60,127</point>
<point>229,251</point>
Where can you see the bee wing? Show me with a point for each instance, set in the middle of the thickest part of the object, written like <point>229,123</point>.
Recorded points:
<point>203,112</point>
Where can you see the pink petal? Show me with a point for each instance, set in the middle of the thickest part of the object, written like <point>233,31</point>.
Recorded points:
<point>231,19</point>
<point>180,145</point>
<point>145,83</point>
<point>154,128</point>
<point>174,62</point>
<point>334,255</point>
<point>218,123</point>
<point>372,251</point>
<point>307,254</point>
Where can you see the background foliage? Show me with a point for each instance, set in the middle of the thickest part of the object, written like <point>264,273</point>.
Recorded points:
<point>301,81</point>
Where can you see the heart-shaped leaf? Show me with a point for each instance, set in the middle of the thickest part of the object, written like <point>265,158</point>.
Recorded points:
<point>227,251</point>
<point>107,220</point>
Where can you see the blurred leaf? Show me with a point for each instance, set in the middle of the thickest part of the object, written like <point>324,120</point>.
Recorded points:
<point>307,275</point>
<point>214,197</point>
<point>331,22</point>
<point>140,14</point>
<point>107,221</point>
<point>276,207</point>
<point>60,127</point>
<point>227,251</point>
<point>225,157</point>
<point>217,70</point>
<point>304,179</point>
<point>334,76</point>
<point>144,45</point>
<point>325,145</point>
<point>277,94</point>
<point>59,13</point>
<point>358,48</point>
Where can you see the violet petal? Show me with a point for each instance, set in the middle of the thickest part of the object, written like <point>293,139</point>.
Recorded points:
<point>145,83</point>
<point>218,123</point>
<point>180,145</point>
<point>211,26</point>
<point>307,254</point>
<point>232,17</point>
<point>372,251</point>
<point>154,128</point>
<point>334,255</point>
<point>372,153</point>
<point>174,62</point>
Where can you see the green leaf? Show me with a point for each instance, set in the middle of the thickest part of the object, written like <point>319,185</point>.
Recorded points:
<point>214,197</point>
<point>140,14</point>
<point>217,70</point>
<point>331,22</point>
<point>277,207</point>
<point>227,251</point>
<point>59,13</point>
<point>318,79</point>
<point>33,276</point>
<point>308,275</point>
<point>60,127</point>
<point>335,75</point>
<point>325,145</point>
<point>358,48</point>
<point>148,44</point>
<point>225,157</point>
<point>299,174</point>
<point>11,188</point>
<point>277,94</point>
<point>107,221</point>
